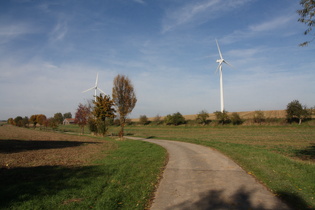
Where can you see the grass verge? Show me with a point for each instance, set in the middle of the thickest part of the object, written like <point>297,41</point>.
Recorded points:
<point>124,179</point>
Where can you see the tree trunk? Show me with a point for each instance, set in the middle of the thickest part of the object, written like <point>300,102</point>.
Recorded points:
<point>122,125</point>
<point>300,121</point>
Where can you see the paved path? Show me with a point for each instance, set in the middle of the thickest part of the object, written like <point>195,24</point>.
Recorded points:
<point>198,177</point>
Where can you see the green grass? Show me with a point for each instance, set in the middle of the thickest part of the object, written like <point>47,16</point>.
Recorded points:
<point>282,157</point>
<point>125,179</point>
<point>73,128</point>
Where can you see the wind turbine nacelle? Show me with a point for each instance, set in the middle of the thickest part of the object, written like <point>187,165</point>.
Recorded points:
<point>219,60</point>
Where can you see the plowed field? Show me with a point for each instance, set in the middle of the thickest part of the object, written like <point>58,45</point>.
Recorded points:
<point>21,147</point>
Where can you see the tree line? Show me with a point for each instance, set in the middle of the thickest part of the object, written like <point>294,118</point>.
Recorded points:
<point>40,119</point>
<point>295,112</point>
<point>97,114</point>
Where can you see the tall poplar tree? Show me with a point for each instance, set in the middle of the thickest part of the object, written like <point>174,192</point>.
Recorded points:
<point>124,98</point>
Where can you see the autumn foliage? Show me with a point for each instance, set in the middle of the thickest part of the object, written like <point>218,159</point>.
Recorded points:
<point>124,99</point>
<point>81,116</point>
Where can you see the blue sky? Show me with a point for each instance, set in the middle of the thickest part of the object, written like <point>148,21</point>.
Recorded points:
<point>51,51</point>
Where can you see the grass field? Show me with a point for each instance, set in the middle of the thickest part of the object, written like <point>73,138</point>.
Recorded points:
<point>45,170</point>
<point>281,157</point>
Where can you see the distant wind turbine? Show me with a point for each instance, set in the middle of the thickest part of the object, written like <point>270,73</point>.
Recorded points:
<point>221,61</point>
<point>95,87</point>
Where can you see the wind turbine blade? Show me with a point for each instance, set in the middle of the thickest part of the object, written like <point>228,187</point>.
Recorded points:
<point>219,49</point>
<point>228,63</point>
<point>217,68</point>
<point>96,80</point>
<point>88,89</point>
<point>101,90</point>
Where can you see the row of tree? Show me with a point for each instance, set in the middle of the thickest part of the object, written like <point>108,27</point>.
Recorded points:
<point>99,114</point>
<point>39,119</point>
<point>295,113</point>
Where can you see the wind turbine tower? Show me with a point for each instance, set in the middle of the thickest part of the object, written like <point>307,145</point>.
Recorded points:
<point>95,87</point>
<point>221,61</point>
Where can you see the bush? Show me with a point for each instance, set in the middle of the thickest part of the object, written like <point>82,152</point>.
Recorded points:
<point>92,125</point>
<point>236,119</point>
<point>143,120</point>
<point>222,117</point>
<point>202,117</point>
<point>174,119</point>
<point>157,120</point>
<point>259,117</point>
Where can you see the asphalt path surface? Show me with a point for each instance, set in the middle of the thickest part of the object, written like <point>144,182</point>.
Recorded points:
<point>198,177</point>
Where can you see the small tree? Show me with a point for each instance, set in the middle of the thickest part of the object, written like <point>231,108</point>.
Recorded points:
<point>25,122</point>
<point>222,117</point>
<point>103,110</point>
<point>10,121</point>
<point>67,115</point>
<point>18,121</point>
<point>143,119</point>
<point>202,117</point>
<point>296,112</point>
<point>58,118</point>
<point>33,120</point>
<point>53,123</point>
<point>236,119</point>
<point>124,99</point>
<point>41,119</point>
<point>81,116</point>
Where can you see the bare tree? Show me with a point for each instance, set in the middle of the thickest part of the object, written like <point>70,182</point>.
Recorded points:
<point>124,98</point>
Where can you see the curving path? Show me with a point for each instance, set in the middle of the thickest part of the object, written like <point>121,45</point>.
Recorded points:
<point>198,177</point>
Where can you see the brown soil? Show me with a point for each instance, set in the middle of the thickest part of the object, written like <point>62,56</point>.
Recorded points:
<point>21,147</point>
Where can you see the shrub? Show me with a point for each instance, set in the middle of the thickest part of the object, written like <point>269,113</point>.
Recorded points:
<point>222,117</point>
<point>259,117</point>
<point>174,119</point>
<point>157,119</point>
<point>202,117</point>
<point>236,119</point>
<point>143,120</point>
<point>92,125</point>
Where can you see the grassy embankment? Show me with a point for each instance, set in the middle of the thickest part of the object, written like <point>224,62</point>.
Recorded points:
<point>282,157</point>
<point>122,175</point>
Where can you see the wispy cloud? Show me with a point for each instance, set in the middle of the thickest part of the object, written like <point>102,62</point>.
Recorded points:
<point>9,31</point>
<point>139,1</point>
<point>59,31</point>
<point>271,24</point>
<point>268,26</point>
<point>198,12</point>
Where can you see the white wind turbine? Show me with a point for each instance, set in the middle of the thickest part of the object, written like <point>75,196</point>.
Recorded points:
<point>221,61</point>
<point>95,87</point>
